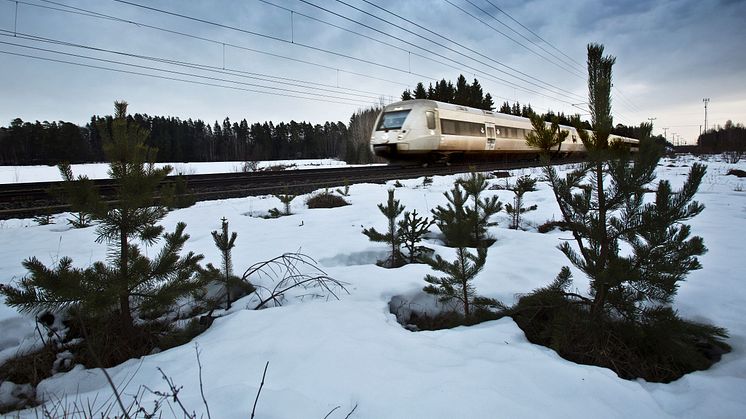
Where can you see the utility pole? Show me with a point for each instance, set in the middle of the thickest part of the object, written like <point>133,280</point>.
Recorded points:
<point>651,124</point>
<point>706,101</point>
<point>664,133</point>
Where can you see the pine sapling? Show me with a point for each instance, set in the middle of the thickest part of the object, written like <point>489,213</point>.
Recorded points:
<point>456,284</point>
<point>82,196</point>
<point>483,208</point>
<point>478,215</point>
<point>286,197</point>
<point>391,210</point>
<point>131,284</point>
<point>412,230</point>
<point>454,220</point>
<point>233,286</point>
<point>522,185</point>
<point>345,191</point>
<point>544,137</point>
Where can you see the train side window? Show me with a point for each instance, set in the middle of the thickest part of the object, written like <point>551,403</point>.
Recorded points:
<point>430,116</point>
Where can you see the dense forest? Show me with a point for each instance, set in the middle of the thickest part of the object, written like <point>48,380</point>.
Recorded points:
<point>731,137</point>
<point>191,140</point>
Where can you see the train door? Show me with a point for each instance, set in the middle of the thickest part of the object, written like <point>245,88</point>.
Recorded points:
<point>491,140</point>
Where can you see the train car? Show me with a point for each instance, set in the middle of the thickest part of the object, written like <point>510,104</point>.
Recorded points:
<point>426,130</point>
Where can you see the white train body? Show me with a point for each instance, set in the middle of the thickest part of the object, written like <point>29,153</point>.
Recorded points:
<point>424,129</point>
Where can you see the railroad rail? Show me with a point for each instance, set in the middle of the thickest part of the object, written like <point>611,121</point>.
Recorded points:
<point>23,200</point>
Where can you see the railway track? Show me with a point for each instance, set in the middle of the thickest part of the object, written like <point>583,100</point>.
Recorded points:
<point>22,200</point>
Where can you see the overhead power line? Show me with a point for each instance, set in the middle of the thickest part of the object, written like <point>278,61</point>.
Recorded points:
<point>270,90</point>
<point>544,85</point>
<point>559,63</point>
<point>98,15</point>
<point>533,33</point>
<point>237,73</point>
<point>374,63</point>
<point>625,101</point>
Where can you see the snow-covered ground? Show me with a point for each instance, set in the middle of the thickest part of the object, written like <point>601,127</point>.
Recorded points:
<point>352,352</point>
<point>40,173</point>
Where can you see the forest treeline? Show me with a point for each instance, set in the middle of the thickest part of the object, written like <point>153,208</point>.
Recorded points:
<point>471,94</point>
<point>731,137</point>
<point>177,140</point>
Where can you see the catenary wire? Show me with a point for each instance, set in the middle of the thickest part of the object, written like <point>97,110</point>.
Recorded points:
<point>559,64</point>
<point>533,83</point>
<point>318,97</point>
<point>285,81</point>
<point>89,13</point>
<point>321,49</point>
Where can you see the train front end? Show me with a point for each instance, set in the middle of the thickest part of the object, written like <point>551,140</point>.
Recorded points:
<point>405,131</point>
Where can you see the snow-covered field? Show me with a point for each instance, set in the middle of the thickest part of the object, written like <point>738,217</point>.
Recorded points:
<point>22,174</point>
<point>352,352</point>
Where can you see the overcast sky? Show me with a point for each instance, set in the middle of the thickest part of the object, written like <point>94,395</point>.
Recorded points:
<point>669,56</point>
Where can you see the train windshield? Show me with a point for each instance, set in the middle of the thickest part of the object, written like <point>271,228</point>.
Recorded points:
<point>392,120</point>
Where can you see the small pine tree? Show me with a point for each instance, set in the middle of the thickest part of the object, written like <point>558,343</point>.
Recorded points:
<point>451,218</point>
<point>233,286</point>
<point>82,196</point>
<point>602,202</point>
<point>457,282</point>
<point>176,194</point>
<point>483,208</point>
<point>345,190</point>
<point>522,185</point>
<point>543,137</point>
<point>391,210</point>
<point>131,278</point>
<point>286,198</point>
<point>412,230</point>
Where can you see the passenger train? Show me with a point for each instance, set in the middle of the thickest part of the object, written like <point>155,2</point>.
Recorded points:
<point>427,131</point>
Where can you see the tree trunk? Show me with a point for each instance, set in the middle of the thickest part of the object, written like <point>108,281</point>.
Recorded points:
<point>602,286</point>
<point>124,297</point>
<point>464,281</point>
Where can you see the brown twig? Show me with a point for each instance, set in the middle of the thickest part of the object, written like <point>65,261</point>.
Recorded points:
<point>201,387</point>
<point>351,412</point>
<point>253,410</point>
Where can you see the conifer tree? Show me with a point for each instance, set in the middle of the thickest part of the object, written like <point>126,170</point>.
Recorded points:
<point>602,202</point>
<point>451,218</point>
<point>233,286</point>
<point>543,137</point>
<point>488,103</point>
<point>391,210</point>
<point>522,185</point>
<point>82,196</point>
<point>286,198</point>
<point>420,92</point>
<point>462,93</point>
<point>482,209</point>
<point>131,283</point>
<point>412,230</point>
<point>457,282</point>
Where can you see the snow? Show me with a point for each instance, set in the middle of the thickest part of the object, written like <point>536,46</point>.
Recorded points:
<point>41,173</point>
<point>352,352</point>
